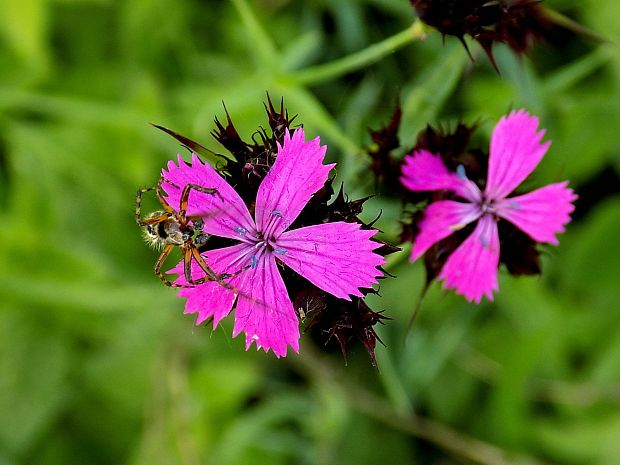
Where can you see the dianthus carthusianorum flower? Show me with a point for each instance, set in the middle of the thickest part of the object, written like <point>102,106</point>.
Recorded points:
<point>335,257</point>
<point>516,149</point>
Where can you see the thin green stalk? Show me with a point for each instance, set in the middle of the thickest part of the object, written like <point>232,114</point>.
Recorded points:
<point>570,74</point>
<point>417,307</point>
<point>358,60</point>
<point>262,44</point>
<point>561,20</point>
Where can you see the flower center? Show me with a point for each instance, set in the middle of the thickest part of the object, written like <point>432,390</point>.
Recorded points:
<point>262,242</point>
<point>487,206</point>
<point>265,241</point>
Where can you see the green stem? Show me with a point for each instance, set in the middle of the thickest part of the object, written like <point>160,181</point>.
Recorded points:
<point>358,60</point>
<point>561,20</point>
<point>262,44</point>
<point>417,307</point>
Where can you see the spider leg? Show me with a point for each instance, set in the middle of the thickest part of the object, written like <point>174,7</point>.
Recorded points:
<point>139,194</point>
<point>187,263</point>
<point>189,252</point>
<point>186,191</point>
<point>210,275</point>
<point>168,181</point>
<point>160,196</point>
<point>169,211</point>
<point>154,219</point>
<point>236,273</point>
<point>160,262</point>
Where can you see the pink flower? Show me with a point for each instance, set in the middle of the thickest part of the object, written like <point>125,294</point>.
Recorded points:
<point>515,151</point>
<point>336,257</point>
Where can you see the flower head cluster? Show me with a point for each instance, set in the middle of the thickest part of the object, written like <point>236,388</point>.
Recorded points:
<point>518,23</point>
<point>461,226</point>
<point>286,251</point>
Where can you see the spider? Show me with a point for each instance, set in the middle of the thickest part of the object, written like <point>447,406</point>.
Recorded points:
<point>168,228</point>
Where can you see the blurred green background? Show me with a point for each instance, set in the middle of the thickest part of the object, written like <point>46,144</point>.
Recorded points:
<point>97,363</point>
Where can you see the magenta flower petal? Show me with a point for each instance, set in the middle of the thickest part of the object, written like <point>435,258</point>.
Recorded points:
<point>441,219</point>
<point>472,269</point>
<point>211,299</point>
<point>268,318</point>
<point>541,213</point>
<point>515,151</point>
<point>424,171</point>
<point>224,214</point>
<point>336,257</point>
<point>296,175</point>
